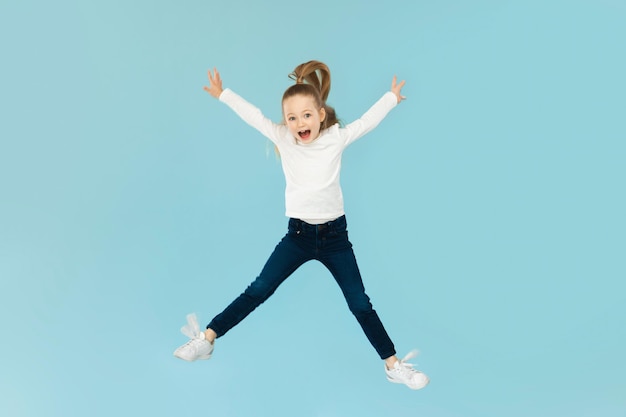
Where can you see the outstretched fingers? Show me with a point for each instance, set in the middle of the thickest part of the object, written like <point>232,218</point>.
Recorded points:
<point>396,88</point>
<point>215,78</point>
<point>215,83</point>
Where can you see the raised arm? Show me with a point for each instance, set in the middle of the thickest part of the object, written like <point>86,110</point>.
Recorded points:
<point>247,111</point>
<point>376,113</point>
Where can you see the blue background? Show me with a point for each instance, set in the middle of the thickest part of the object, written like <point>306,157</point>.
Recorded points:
<point>487,210</point>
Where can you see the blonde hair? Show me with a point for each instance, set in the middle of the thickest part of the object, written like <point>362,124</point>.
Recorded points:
<point>313,79</point>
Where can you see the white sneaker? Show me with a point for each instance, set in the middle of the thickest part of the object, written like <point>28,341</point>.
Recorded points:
<point>403,373</point>
<point>197,347</point>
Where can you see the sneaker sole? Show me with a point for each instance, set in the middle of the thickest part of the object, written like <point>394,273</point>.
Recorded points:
<point>203,357</point>
<point>409,386</point>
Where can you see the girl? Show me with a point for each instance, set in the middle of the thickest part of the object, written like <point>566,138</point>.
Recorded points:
<point>310,143</point>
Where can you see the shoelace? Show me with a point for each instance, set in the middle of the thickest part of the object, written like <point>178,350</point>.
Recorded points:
<point>195,343</point>
<point>192,328</point>
<point>405,367</point>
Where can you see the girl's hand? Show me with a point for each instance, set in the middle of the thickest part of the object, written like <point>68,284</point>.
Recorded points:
<point>395,88</point>
<point>215,86</point>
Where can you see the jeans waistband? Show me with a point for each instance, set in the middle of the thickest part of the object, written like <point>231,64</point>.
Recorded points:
<point>339,224</point>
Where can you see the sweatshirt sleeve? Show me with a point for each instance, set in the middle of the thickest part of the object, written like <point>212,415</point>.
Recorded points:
<point>252,115</point>
<point>370,118</point>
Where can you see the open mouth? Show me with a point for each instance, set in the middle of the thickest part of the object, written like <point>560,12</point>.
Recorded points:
<point>304,134</point>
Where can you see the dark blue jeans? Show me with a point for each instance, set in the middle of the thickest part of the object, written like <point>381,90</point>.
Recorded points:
<point>329,244</point>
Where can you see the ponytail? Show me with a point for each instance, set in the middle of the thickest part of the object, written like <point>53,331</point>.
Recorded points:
<point>313,79</point>
<point>308,72</point>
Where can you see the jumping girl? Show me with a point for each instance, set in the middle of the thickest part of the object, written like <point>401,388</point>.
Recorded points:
<point>310,142</point>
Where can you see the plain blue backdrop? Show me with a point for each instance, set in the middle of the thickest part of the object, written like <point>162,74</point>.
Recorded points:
<point>487,210</point>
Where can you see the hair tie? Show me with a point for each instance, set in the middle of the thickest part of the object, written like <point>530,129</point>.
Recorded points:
<point>297,78</point>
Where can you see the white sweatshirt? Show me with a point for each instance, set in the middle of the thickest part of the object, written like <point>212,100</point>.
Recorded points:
<point>312,171</point>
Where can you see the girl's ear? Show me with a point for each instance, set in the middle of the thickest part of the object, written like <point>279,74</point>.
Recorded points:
<point>322,114</point>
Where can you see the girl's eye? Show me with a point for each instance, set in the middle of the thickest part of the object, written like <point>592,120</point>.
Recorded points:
<point>291,118</point>
<point>307,115</point>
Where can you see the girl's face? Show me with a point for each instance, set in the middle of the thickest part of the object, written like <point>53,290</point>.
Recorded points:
<point>303,118</point>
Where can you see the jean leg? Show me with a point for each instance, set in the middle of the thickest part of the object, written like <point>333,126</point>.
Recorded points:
<point>343,266</point>
<point>286,258</point>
